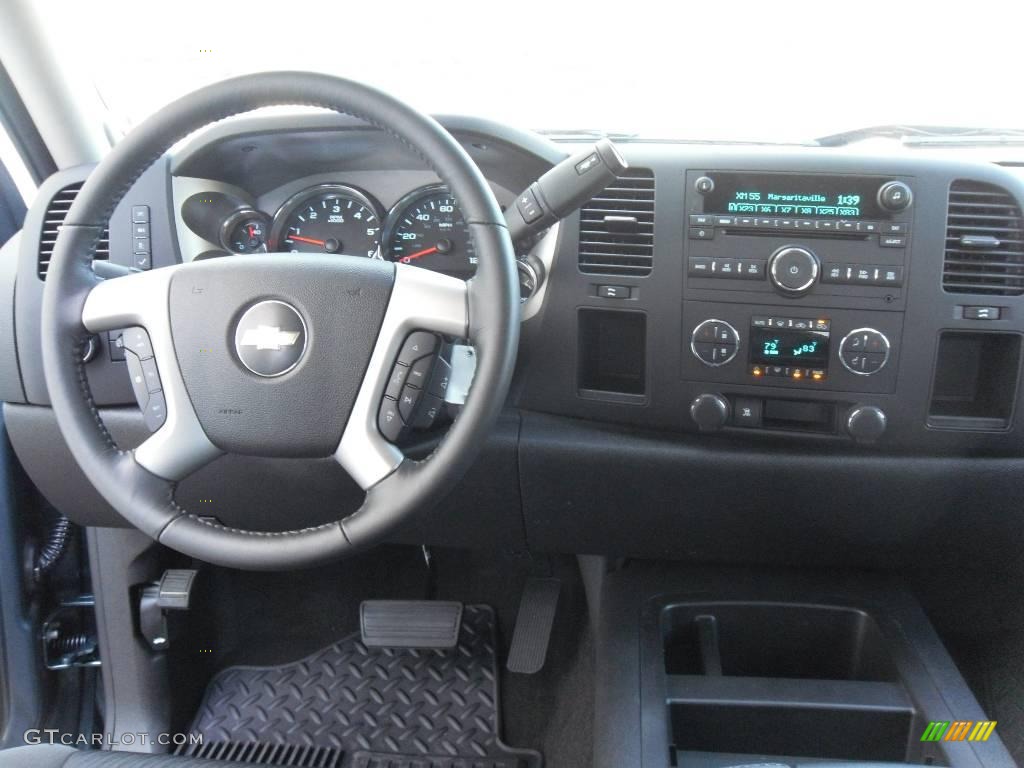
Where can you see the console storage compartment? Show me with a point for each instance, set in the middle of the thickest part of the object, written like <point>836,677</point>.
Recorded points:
<point>782,679</point>
<point>715,666</point>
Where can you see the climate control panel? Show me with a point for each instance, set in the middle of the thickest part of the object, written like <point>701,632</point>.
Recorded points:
<point>824,349</point>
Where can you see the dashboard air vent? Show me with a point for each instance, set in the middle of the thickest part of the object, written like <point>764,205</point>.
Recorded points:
<point>984,241</point>
<point>617,228</point>
<point>55,214</point>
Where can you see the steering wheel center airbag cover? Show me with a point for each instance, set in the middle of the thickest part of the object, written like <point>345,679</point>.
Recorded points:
<point>273,351</point>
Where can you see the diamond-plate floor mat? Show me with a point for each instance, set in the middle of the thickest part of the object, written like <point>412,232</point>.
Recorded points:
<point>368,707</point>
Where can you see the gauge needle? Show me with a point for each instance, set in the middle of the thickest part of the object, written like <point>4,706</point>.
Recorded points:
<point>424,252</point>
<point>301,239</point>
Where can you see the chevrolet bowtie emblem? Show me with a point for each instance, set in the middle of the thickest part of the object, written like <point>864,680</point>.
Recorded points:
<point>268,337</point>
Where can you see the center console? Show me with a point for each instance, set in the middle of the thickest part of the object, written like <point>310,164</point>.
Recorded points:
<point>814,269</point>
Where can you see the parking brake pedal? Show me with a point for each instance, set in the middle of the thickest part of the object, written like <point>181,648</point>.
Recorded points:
<point>172,593</point>
<point>410,623</point>
<point>533,626</point>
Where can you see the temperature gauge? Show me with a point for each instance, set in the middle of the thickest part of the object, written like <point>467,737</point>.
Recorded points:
<point>246,232</point>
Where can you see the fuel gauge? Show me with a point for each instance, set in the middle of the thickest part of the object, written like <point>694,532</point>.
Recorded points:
<point>246,231</point>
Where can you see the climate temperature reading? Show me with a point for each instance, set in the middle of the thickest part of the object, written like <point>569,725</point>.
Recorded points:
<point>789,347</point>
<point>426,229</point>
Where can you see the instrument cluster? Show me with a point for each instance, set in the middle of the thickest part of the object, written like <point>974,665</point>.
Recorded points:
<point>425,228</point>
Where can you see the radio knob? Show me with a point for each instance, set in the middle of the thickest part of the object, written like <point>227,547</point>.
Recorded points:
<point>865,423</point>
<point>864,351</point>
<point>711,412</point>
<point>895,196</point>
<point>793,270</point>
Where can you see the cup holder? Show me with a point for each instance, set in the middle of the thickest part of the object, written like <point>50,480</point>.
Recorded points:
<point>775,640</point>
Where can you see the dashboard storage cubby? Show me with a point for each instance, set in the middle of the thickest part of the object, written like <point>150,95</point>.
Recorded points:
<point>975,384</point>
<point>612,355</point>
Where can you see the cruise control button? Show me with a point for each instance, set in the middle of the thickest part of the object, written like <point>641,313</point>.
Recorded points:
<point>151,375</point>
<point>407,403</point>
<point>156,411</point>
<point>389,422</point>
<point>138,380</point>
<point>136,341</point>
<point>419,344</point>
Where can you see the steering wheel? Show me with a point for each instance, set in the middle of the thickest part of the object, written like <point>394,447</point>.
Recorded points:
<point>354,314</point>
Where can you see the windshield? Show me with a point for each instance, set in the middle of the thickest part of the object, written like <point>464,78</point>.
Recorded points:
<point>772,72</point>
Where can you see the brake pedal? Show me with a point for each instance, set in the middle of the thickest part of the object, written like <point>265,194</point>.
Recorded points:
<point>534,621</point>
<point>410,624</point>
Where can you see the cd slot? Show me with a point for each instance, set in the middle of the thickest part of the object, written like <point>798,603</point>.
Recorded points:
<point>831,235</point>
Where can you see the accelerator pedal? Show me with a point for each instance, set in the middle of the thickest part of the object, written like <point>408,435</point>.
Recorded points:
<point>533,626</point>
<point>410,624</point>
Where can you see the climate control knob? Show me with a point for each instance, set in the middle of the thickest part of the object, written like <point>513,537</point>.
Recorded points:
<point>714,342</point>
<point>711,412</point>
<point>865,423</point>
<point>793,270</point>
<point>864,351</point>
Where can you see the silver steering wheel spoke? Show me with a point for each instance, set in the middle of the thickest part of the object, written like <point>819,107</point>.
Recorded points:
<point>420,300</point>
<point>179,446</point>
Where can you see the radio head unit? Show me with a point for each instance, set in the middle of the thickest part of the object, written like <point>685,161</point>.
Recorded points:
<point>781,194</point>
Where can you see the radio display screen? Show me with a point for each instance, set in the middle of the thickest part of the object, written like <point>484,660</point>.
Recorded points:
<point>779,194</point>
<point>785,346</point>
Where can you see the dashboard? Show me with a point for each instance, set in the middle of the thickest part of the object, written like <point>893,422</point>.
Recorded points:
<point>779,314</point>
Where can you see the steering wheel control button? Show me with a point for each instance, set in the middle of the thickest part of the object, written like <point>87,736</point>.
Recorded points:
<point>419,373</point>
<point>418,344</point>
<point>389,421</point>
<point>151,375</point>
<point>397,381</point>
<point>138,380</point>
<point>407,402</point>
<point>136,341</point>
<point>714,342</point>
<point>155,413</point>
<point>438,386</point>
<point>793,270</point>
<point>429,409</point>
<point>270,338</point>
<point>864,351</point>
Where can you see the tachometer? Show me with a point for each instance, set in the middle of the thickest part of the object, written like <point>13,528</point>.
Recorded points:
<point>426,228</point>
<point>330,218</point>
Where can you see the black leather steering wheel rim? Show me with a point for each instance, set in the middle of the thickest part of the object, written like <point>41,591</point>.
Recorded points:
<point>147,500</point>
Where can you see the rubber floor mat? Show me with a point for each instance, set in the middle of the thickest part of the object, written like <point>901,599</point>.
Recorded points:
<point>359,707</point>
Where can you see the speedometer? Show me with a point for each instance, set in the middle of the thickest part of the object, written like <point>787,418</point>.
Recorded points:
<point>330,218</point>
<point>426,228</point>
